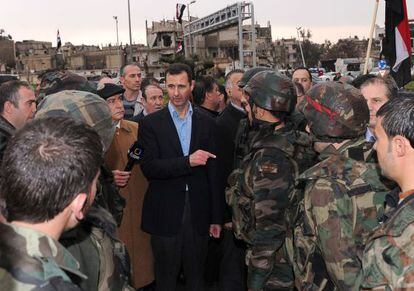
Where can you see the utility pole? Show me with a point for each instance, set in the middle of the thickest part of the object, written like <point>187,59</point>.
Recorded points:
<point>189,28</point>
<point>117,40</point>
<point>300,46</point>
<point>130,33</point>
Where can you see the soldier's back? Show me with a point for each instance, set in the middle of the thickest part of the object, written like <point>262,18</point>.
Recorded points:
<point>343,201</point>
<point>30,260</point>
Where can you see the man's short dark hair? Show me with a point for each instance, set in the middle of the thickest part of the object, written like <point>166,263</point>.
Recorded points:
<point>205,85</point>
<point>48,162</point>
<point>398,118</point>
<point>387,81</point>
<point>358,81</point>
<point>122,70</point>
<point>147,82</point>
<point>303,68</point>
<point>9,91</point>
<point>178,68</point>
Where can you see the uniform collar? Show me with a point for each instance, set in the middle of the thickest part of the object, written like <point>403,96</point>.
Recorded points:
<point>39,245</point>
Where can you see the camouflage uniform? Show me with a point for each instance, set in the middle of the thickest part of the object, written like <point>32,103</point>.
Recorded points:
<point>56,81</point>
<point>94,241</point>
<point>388,261</point>
<point>30,260</point>
<point>343,197</point>
<point>260,189</point>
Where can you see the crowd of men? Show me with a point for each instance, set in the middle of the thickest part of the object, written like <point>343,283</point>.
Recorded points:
<point>263,183</point>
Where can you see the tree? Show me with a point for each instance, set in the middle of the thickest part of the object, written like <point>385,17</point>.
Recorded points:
<point>312,52</point>
<point>346,48</point>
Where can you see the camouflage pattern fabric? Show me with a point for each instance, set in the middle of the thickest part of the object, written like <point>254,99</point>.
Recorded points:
<point>84,106</point>
<point>249,74</point>
<point>272,91</point>
<point>259,195</point>
<point>388,261</point>
<point>96,246</point>
<point>343,201</point>
<point>335,112</point>
<point>56,81</point>
<point>30,260</point>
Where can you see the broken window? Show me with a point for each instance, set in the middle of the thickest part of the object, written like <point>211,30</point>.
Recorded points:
<point>166,39</point>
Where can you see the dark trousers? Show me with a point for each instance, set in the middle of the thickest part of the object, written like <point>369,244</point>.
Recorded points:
<point>187,249</point>
<point>226,262</point>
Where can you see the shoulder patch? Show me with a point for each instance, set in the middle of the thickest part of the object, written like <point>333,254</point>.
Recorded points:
<point>268,168</point>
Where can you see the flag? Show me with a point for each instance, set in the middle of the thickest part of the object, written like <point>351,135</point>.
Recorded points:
<point>179,12</point>
<point>396,45</point>
<point>179,47</point>
<point>59,42</point>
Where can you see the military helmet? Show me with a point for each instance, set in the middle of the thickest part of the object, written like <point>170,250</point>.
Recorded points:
<point>272,91</point>
<point>55,81</point>
<point>83,106</point>
<point>249,74</point>
<point>335,111</point>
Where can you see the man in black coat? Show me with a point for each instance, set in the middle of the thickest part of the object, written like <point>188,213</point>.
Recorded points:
<point>232,270</point>
<point>182,205</point>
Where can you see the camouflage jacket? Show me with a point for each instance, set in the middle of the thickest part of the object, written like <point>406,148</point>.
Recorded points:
<point>388,261</point>
<point>259,194</point>
<point>30,260</point>
<point>102,256</point>
<point>343,201</point>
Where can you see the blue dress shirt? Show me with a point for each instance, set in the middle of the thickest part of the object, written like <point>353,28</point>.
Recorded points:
<point>183,126</point>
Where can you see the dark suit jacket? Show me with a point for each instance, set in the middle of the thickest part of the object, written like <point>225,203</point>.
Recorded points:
<point>168,172</point>
<point>227,124</point>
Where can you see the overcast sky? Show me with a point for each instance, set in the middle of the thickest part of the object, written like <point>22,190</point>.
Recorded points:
<point>91,21</point>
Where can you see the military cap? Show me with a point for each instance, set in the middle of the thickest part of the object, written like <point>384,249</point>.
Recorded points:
<point>108,90</point>
<point>84,106</point>
<point>56,81</point>
<point>335,111</point>
<point>249,74</point>
<point>272,91</point>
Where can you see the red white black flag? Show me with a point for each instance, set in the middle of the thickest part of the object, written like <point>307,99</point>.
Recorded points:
<point>59,42</point>
<point>179,47</point>
<point>179,11</point>
<point>396,46</point>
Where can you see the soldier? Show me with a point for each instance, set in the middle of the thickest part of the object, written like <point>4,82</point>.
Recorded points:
<point>260,189</point>
<point>388,261</point>
<point>54,81</point>
<point>52,167</point>
<point>247,128</point>
<point>343,196</point>
<point>94,242</point>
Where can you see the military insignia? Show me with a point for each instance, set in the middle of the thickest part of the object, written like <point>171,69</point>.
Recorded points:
<point>268,168</point>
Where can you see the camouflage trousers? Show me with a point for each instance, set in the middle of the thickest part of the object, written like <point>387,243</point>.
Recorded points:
<point>269,268</point>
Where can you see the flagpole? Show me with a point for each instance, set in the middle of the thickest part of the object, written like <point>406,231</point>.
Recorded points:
<point>371,32</point>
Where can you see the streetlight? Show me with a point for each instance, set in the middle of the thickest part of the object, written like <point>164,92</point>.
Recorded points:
<point>189,27</point>
<point>130,34</point>
<point>300,46</point>
<point>117,36</point>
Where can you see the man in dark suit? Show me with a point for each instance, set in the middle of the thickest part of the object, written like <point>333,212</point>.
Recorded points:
<point>182,204</point>
<point>232,269</point>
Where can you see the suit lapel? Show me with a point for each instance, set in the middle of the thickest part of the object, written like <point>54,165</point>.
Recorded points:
<point>194,130</point>
<point>171,131</point>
